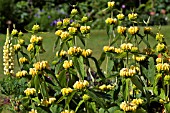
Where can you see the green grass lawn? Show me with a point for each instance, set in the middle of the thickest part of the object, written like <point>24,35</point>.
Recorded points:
<point>98,38</point>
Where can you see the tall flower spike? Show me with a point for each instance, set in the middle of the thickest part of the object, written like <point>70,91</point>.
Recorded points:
<point>8,55</point>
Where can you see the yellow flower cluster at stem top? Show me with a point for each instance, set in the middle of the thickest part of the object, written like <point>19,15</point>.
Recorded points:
<point>112,49</point>
<point>74,51</point>
<point>120,16</point>
<point>46,102</point>
<point>105,87</point>
<point>159,37</point>
<point>121,30</point>
<point>126,46</point>
<point>23,60</point>
<point>132,16</point>
<point>133,30</point>
<point>17,47</point>
<point>30,47</point>
<point>36,40</point>
<point>162,67</point>
<point>35,27</point>
<point>126,72</point>
<point>33,72</point>
<point>81,84</point>
<point>30,91</point>
<point>110,4</point>
<point>41,65</point>
<point>85,29</point>
<point>62,53</point>
<point>132,106</point>
<point>111,21</point>
<point>66,91</point>
<point>160,47</point>
<point>68,111</point>
<point>139,58</point>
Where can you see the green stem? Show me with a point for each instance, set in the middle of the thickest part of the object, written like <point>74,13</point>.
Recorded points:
<point>127,57</point>
<point>167,90</point>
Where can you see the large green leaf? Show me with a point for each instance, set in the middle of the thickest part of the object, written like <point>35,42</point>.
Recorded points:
<point>79,65</point>
<point>37,82</point>
<point>69,98</point>
<point>56,42</point>
<point>43,89</point>
<point>135,80</point>
<point>151,70</point>
<point>62,78</point>
<point>102,58</point>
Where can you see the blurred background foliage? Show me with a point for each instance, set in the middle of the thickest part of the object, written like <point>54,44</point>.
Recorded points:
<point>25,13</point>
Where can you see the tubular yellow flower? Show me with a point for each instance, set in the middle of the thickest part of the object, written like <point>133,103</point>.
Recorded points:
<point>125,72</point>
<point>21,41</point>
<point>33,111</point>
<point>30,91</point>
<point>86,53</point>
<point>14,32</point>
<point>110,4</point>
<point>134,49</point>
<point>118,50</point>
<point>66,21</point>
<point>66,91</point>
<point>72,30</point>
<point>103,87</point>
<point>33,39</point>
<point>67,64</point>
<point>147,30</point>
<point>21,73</point>
<point>74,11</point>
<point>51,100</point>
<point>160,47</point>
<point>139,58</point>
<point>17,47</point>
<point>59,23</point>
<point>41,65</point>
<point>128,106</point>
<point>23,60</point>
<point>121,29</point>
<point>159,37</point>
<point>74,24</point>
<point>132,16</point>
<point>111,21</point>
<point>86,97</point>
<point>20,34</point>
<point>58,32</point>
<point>159,60</point>
<point>30,47</point>
<point>126,46</point>
<point>64,35</point>
<point>74,51</point>
<point>133,30</point>
<point>109,87</point>
<point>84,19</point>
<point>85,29</point>
<point>80,84</point>
<point>162,67</point>
<point>120,16</point>
<point>137,101</point>
<point>62,53</point>
<point>33,72</point>
<point>35,28</point>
